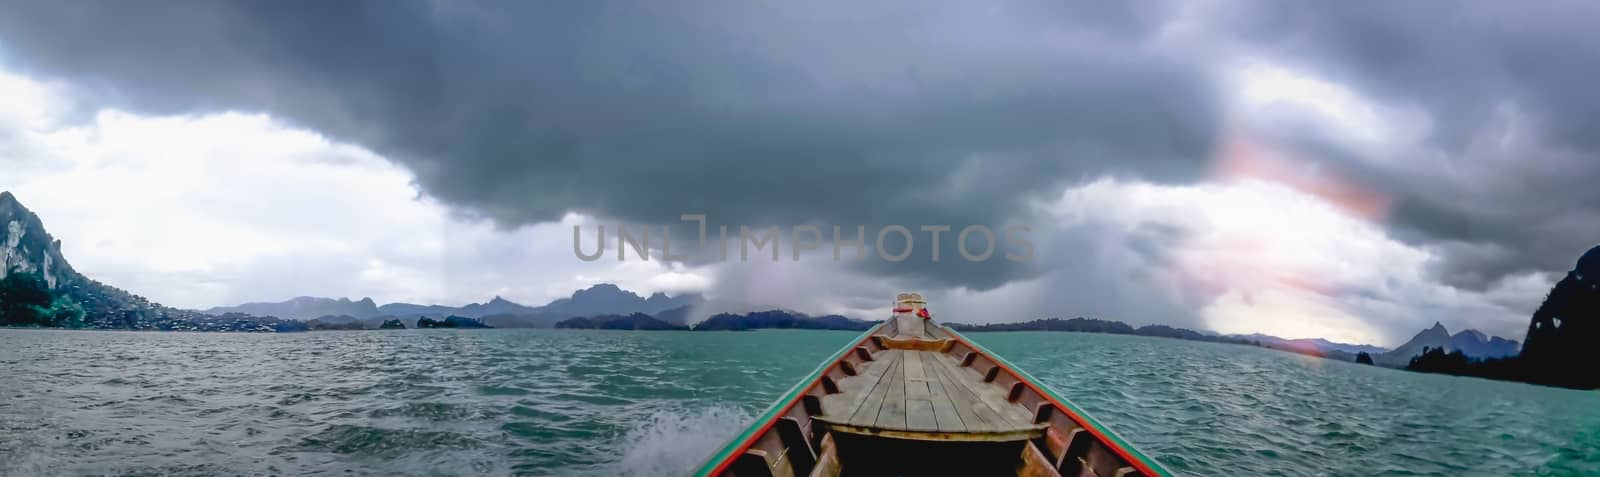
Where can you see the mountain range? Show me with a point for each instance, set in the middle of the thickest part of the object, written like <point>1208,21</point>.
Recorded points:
<point>1472,343</point>
<point>304,308</point>
<point>1313,347</point>
<point>39,288</point>
<point>597,300</point>
<point>1313,344</point>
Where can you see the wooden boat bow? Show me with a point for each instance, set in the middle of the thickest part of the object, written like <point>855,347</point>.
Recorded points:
<point>912,397</point>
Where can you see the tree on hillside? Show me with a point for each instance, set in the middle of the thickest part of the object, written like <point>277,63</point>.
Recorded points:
<point>64,312</point>
<point>24,300</point>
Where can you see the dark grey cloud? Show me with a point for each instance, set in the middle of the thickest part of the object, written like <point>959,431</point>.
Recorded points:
<point>752,112</point>
<point>1505,182</point>
<point>869,113</point>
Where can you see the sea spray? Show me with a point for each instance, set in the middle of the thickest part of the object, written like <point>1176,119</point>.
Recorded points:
<point>674,441</point>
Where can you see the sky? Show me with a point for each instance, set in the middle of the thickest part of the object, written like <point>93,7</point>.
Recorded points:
<point>1347,170</point>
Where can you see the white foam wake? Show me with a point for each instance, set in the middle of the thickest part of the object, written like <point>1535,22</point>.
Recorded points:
<point>673,442</point>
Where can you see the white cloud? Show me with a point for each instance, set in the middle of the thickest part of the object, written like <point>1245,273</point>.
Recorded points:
<point>1253,256</point>
<point>196,211</point>
<point>1265,95</point>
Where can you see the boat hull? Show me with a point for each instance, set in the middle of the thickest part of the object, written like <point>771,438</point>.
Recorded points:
<point>911,397</point>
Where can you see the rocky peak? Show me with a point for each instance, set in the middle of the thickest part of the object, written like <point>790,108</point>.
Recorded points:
<point>1474,335</point>
<point>26,247</point>
<point>1435,336</point>
<point>1476,344</point>
<point>75,300</point>
<point>601,290</point>
<point>605,296</point>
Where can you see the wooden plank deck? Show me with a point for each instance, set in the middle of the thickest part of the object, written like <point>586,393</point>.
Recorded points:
<point>923,391</point>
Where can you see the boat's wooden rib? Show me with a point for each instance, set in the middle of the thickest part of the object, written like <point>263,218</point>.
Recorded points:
<point>911,397</point>
<point>827,459</point>
<point>1035,464</point>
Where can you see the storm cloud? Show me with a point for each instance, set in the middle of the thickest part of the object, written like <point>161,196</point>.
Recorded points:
<point>1504,181</point>
<point>750,112</point>
<point>1469,124</point>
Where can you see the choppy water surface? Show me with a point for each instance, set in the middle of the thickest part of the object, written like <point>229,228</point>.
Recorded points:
<point>564,402</point>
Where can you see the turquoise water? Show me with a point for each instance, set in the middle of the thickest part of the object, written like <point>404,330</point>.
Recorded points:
<point>559,402</point>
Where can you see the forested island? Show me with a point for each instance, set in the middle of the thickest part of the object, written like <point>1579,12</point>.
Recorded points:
<point>635,321</point>
<point>779,319</point>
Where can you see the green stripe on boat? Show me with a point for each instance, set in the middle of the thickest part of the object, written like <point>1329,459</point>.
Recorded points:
<point>778,406</point>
